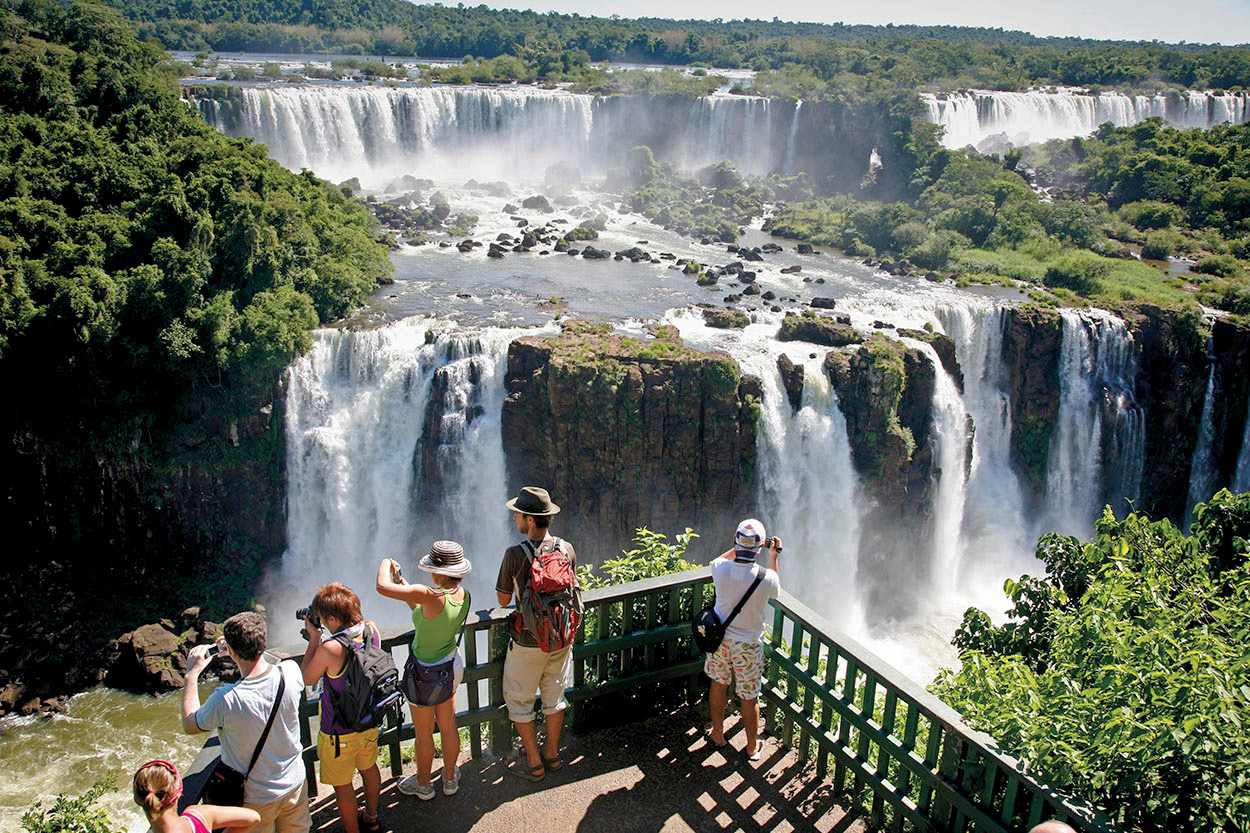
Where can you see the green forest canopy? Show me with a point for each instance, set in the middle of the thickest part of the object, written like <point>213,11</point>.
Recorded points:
<point>141,252</point>
<point>850,57</point>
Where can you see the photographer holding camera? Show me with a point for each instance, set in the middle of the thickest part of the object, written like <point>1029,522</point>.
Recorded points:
<point>257,719</point>
<point>342,751</point>
<point>742,584</point>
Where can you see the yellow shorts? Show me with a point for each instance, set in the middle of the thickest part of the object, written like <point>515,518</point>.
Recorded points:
<point>357,751</point>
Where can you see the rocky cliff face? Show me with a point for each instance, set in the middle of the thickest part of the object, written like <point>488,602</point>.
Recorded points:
<point>885,391</point>
<point>627,433</point>
<point>1031,348</point>
<point>1173,367</point>
<point>1230,343</point>
<point>108,537</point>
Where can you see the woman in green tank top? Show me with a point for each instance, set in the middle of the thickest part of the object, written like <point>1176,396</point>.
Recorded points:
<point>438,615</point>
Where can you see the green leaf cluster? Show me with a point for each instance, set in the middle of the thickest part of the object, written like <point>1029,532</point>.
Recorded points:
<point>71,815</point>
<point>1122,675</point>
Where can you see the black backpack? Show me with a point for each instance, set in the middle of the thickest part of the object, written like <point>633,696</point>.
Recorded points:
<point>370,685</point>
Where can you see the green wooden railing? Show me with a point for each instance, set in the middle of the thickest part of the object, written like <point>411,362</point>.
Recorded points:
<point>906,757</point>
<point>908,760</point>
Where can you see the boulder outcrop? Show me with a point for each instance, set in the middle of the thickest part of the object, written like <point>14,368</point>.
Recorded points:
<point>153,658</point>
<point>885,392</point>
<point>643,433</point>
<point>1032,342</point>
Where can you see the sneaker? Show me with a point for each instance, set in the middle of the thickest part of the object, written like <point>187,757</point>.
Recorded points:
<point>410,786</point>
<point>452,784</point>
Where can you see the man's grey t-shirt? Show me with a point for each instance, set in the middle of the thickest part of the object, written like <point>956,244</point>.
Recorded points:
<point>732,579</point>
<point>239,712</point>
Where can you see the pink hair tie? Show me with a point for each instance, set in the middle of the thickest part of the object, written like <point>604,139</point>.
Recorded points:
<point>176,791</point>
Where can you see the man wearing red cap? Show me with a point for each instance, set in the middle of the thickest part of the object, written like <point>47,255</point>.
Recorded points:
<point>741,653</point>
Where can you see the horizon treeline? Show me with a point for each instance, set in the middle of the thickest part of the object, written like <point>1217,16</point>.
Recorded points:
<point>935,58</point>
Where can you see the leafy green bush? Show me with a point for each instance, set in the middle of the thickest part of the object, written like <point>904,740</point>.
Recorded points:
<point>1225,266</point>
<point>1160,245</point>
<point>652,556</point>
<point>71,815</point>
<point>1121,675</point>
<point>1152,214</point>
<point>1080,274</point>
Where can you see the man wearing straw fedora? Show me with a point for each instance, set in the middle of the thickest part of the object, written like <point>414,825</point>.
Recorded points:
<point>529,668</point>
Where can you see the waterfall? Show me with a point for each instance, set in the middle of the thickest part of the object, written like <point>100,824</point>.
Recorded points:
<point>997,539</point>
<point>514,133</point>
<point>393,441</point>
<point>787,166</point>
<point>971,117</point>
<point>1241,477</point>
<point>1097,371</point>
<point>1203,475</point>
<point>808,492</point>
<point>950,431</point>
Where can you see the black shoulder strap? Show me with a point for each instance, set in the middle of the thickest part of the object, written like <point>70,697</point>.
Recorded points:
<point>468,601</point>
<point>759,576</point>
<point>273,713</point>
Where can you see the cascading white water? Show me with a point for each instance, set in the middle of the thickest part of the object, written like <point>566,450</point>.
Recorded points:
<point>1097,370</point>
<point>378,133</point>
<point>1241,477</point>
<point>358,407</point>
<point>382,132</point>
<point>950,431</point>
<point>788,164</point>
<point>996,530</point>
<point>1038,116</point>
<point>1203,475</point>
<point>808,492</point>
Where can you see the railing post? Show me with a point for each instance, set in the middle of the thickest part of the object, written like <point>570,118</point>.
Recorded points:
<point>948,771</point>
<point>500,728</point>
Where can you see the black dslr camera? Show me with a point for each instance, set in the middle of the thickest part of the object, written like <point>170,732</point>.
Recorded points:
<point>307,613</point>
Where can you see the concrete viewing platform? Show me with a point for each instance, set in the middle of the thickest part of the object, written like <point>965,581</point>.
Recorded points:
<point>660,774</point>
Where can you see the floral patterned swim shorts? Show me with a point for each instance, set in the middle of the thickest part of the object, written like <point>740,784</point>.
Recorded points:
<point>741,660</point>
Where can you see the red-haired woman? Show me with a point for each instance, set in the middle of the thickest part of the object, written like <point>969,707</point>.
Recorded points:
<point>342,752</point>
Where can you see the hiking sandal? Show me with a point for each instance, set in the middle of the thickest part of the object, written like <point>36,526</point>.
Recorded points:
<point>553,764</point>
<point>520,767</point>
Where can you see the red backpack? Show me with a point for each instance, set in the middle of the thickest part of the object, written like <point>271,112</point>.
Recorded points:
<point>549,606</point>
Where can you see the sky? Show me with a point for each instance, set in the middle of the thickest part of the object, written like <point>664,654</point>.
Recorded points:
<point>1195,21</point>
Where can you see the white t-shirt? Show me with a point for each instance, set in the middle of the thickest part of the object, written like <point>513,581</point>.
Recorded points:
<point>731,580</point>
<point>239,712</point>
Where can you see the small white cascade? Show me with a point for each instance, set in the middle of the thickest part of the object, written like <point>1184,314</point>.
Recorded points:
<point>788,164</point>
<point>1097,370</point>
<point>950,432</point>
<point>995,523</point>
<point>1203,475</point>
<point>1241,477</point>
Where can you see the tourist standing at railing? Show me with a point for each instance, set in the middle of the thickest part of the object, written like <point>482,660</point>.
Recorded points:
<point>434,668</point>
<point>274,783</point>
<point>540,655</point>
<point>157,787</point>
<point>341,751</point>
<point>741,653</point>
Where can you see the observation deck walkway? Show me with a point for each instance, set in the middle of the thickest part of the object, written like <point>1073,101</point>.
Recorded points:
<point>850,743</point>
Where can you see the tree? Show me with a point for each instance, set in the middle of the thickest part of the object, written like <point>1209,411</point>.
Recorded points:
<point>1122,675</point>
